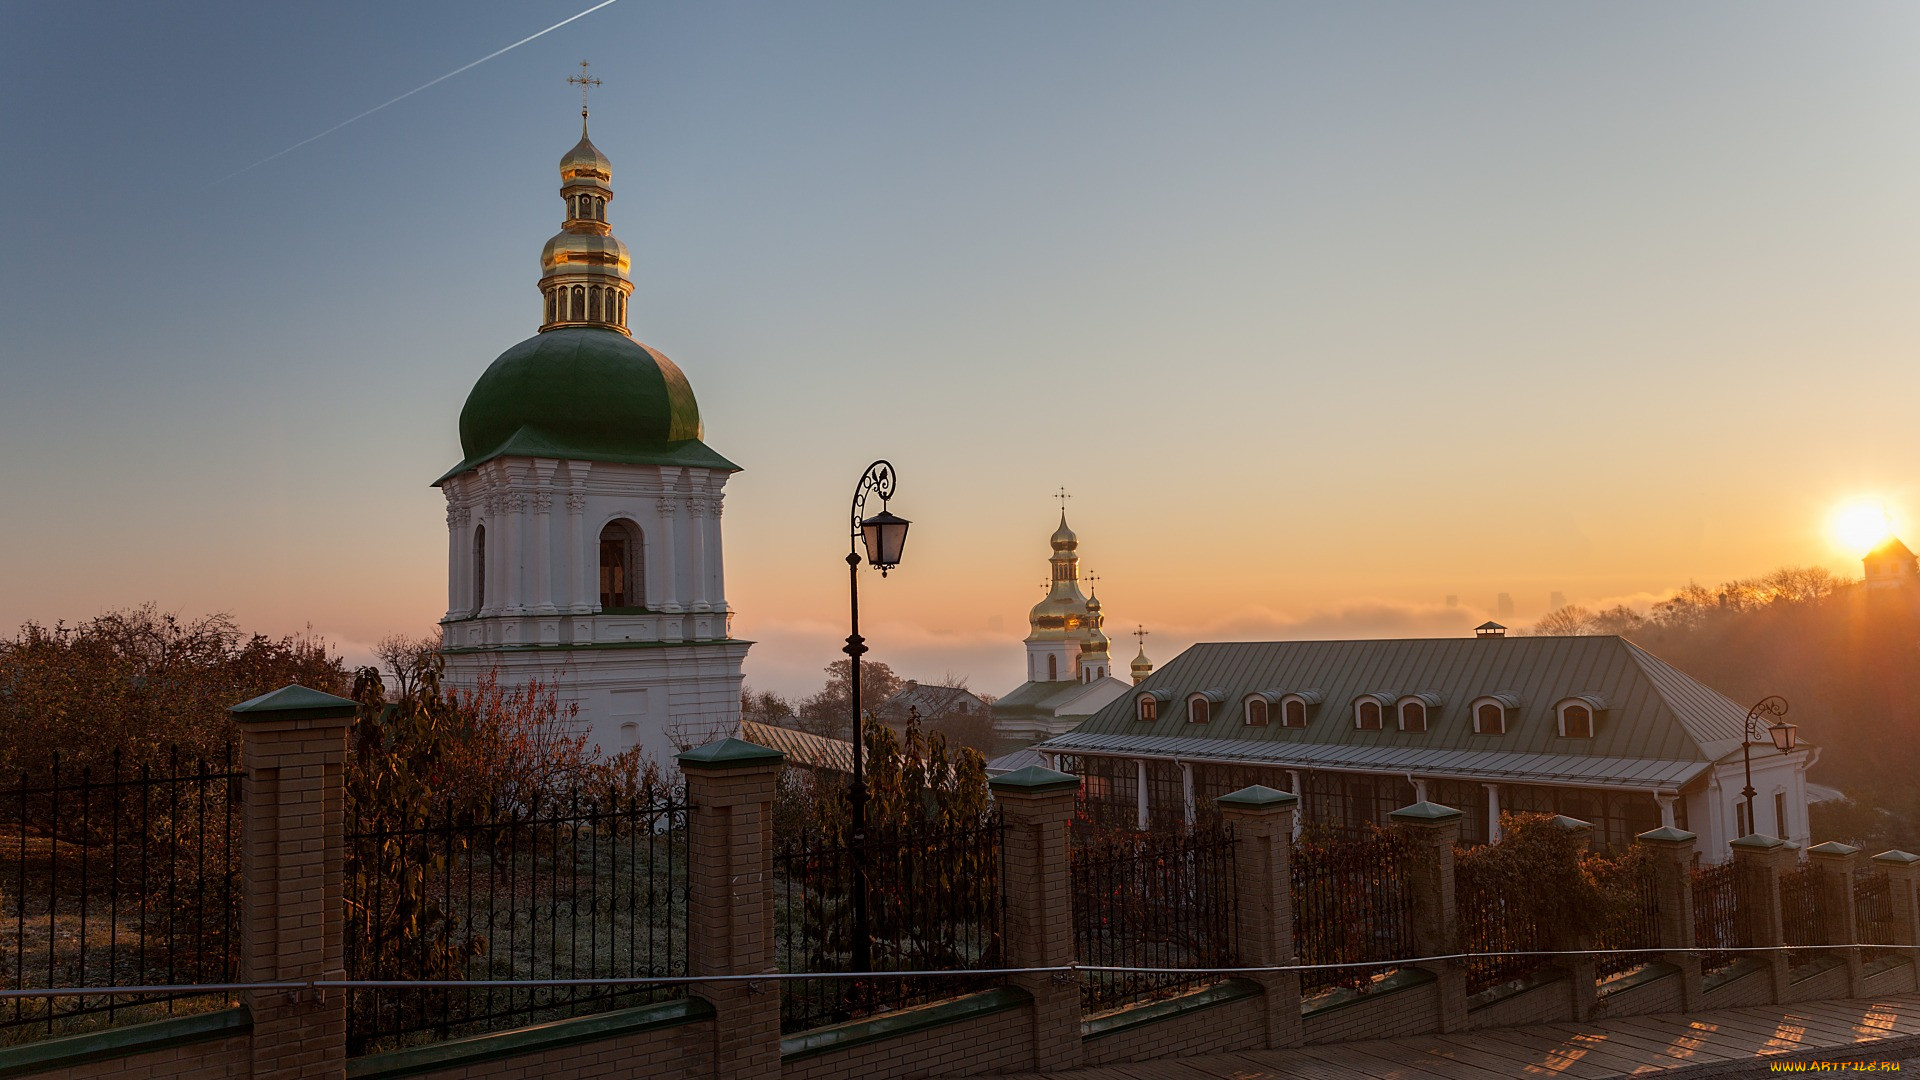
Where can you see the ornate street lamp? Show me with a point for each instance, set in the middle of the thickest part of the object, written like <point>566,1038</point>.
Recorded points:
<point>1785,737</point>
<point>884,536</point>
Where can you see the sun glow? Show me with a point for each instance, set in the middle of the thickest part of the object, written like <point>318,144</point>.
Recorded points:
<point>1861,525</point>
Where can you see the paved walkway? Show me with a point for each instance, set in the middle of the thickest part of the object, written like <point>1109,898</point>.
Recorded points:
<point>1732,1042</point>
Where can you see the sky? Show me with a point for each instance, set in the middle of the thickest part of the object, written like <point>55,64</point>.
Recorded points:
<point>1321,313</point>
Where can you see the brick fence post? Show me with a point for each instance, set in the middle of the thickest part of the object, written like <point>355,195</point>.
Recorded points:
<point>1758,863</point>
<point>730,787</point>
<point>1583,971</point>
<point>293,751</point>
<point>1837,863</point>
<point>1037,805</point>
<point>1262,822</point>
<point>1431,831</point>
<point>1671,853</point>
<point>1903,885</point>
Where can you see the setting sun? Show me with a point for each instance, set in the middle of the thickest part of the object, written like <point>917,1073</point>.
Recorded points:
<point>1861,526</point>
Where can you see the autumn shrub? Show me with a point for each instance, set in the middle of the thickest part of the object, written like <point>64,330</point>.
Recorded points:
<point>141,682</point>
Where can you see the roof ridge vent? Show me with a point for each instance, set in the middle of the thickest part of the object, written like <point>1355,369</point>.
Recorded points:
<point>1489,629</point>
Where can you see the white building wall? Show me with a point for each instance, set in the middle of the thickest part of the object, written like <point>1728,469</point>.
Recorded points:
<point>671,670</point>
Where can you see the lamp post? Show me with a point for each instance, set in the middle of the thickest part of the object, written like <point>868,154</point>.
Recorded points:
<point>883,535</point>
<point>1784,735</point>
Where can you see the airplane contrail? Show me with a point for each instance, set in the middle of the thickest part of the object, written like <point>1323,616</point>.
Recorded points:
<point>417,89</point>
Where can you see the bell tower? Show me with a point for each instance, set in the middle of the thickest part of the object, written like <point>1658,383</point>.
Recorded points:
<point>584,538</point>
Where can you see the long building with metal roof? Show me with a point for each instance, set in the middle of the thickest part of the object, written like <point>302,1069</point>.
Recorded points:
<point>1591,727</point>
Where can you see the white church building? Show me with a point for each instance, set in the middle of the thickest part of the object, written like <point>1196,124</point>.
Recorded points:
<point>584,519</point>
<point>1069,661</point>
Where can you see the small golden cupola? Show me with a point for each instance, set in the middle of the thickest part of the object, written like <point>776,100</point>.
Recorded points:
<point>583,277</point>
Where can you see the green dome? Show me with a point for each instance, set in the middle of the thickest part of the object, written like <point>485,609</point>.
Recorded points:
<point>584,393</point>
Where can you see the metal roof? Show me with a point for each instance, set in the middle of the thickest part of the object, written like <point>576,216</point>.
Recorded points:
<point>803,749</point>
<point>1661,727</point>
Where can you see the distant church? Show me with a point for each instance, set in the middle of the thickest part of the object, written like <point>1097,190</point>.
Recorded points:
<point>583,523</point>
<point>1069,666</point>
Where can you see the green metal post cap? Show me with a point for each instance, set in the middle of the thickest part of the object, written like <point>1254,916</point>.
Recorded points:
<point>294,702</point>
<point>730,754</point>
<point>1833,848</point>
<point>1424,811</point>
<point>1565,822</point>
<point>1666,834</point>
<point>1034,780</point>
<point>1757,842</point>
<point>1896,857</point>
<point>1259,797</point>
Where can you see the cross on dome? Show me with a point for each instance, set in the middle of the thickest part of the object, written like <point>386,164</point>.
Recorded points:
<point>584,81</point>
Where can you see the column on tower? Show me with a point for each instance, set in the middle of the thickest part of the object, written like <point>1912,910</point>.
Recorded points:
<point>578,597</point>
<point>664,576</point>
<point>543,470</point>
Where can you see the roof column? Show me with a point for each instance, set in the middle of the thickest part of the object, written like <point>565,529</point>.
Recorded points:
<point>1493,812</point>
<point>1140,792</point>
<point>1186,794</point>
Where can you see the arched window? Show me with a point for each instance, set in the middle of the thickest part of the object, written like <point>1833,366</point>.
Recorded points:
<point>553,305</point>
<point>622,572</point>
<point>1199,710</point>
<point>1576,721</point>
<point>1413,716</point>
<point>1366,715</point>
<point>1293,713</point>
<point>623,311</point>
<point>599,209</point>
<point>1149,708</point>
<point>1053,668</point>
<point>479,568</point>
<point>1490,719</point>
<point>1257,711</point>
<point>579,313</point>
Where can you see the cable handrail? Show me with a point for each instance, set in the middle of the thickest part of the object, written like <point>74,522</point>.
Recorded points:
<point>296,985</point>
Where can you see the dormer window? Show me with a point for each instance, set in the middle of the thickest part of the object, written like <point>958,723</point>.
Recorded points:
<point>1491,713</point>
<point>1294,706</point>
<point>1366,715</point>
<point>1149,708</point>
<point>1579,715</point>
<point>1416,711</point>
<point>1200,705</point>
<point>1256,711</point>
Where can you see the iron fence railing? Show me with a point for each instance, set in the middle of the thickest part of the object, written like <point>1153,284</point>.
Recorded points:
<point>1803,910</point>
<point>1161,900</point>
<point>1632,921</point>
<point>1351,904</point>
<point>934,903</point>
<point>1491,921</point>
<point>117,877</point>
<point>577,886</point>
<point>1874,912</point>
<point>1717,915</point>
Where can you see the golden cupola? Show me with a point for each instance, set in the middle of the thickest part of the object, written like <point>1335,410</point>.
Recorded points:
<point>1064,611</point>
<point>583,269</point>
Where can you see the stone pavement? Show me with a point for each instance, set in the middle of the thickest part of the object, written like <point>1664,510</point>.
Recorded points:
<point>1733,1042</point>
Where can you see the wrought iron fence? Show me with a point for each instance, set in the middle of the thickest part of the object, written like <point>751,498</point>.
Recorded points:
<point>579,886</point>
<point>1803,910</point>
<point>1491,921</point>
<point>118,877</point>
<point>1632,921</point>
<point>1717,917</point>
<point>934,903</point>
<point>1160,900</point>
<point>1351,904</point>
<point>1874,912</point>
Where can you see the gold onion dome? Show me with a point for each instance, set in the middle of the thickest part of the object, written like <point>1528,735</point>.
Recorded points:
<point>1063,537</point>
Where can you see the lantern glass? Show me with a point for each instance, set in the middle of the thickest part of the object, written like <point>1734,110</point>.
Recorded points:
<point>885,536</point>
<point>1785,736</point>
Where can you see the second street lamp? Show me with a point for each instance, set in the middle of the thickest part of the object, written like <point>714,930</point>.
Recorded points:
<point>885,537</point>
<point>1785,737</point>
